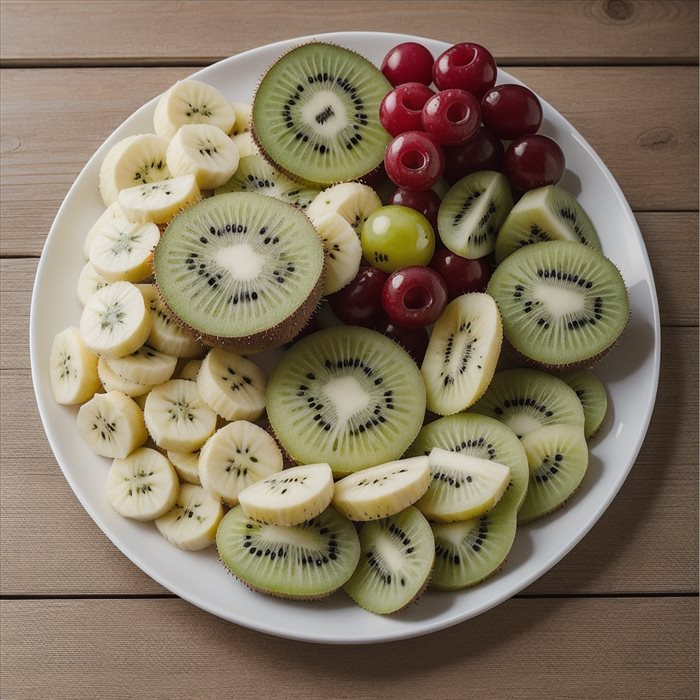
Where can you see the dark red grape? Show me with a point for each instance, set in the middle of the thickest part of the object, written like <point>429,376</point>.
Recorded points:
<point>407,63</point>
<point>414,296</point>
<point>533,161</point>
<point>483,152</point>
<point>402,108</point>
<point>511,111</point>
<point>461,275</point>
<point>426,202</point>
<point>414,161</point>
<point>360,302</point>
<point>452,116</point>
<point>466,66</point>
<point>413,340</point>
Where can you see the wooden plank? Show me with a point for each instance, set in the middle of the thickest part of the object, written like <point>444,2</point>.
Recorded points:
<point>628,648</point>
<point>514,30</point>
<point>646,542</point>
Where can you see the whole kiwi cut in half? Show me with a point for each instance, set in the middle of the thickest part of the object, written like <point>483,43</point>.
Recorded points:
<point>316,114</point>
<point>347,396</point>
<point>240,270</point>
<point>563,304</point>
<point>302,562</point>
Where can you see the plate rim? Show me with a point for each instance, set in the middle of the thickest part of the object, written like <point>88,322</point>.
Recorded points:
<point>425,626</point>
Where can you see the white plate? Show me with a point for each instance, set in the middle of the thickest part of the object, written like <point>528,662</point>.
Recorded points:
<point>630,373</point>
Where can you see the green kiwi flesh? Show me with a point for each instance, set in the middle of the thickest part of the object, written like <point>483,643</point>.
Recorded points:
<point>304,562</point>
<point>472,211</point>
<point>255,174</point>
<point>478,436</point>
<point>545,214</point>
<point>347,396</point>
<point>466,553</point>
<point>316,114</point>
<point>527,399</point>
<point>240,270</point>
<point>557,458</point>
<point>592,395</point>
<point>563,305</point>
<point>396,560</point>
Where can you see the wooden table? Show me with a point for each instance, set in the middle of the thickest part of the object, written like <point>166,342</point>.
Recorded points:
<point>616,618</point>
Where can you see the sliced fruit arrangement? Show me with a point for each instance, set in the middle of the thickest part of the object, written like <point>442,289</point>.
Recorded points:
<point>222,233</point>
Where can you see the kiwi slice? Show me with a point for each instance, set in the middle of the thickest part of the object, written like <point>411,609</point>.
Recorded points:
<point>304,562</point>
<point>466,553</point>
<point>255,174</point>
<point>347,396</point>
<point>478,436</point>
<point>527,399</point>
<point>316,114</point>
<point>396,560</point>
<point>562,304</point>
<point>557,457</point>
<point>545,214</point>
<point>592,395</point>
<point>240,270</point>
<point>472,212</point>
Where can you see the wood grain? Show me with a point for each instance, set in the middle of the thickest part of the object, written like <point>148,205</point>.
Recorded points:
<point>651,152</point>
<point>516,31</point>
<point>50,545</point>
<point>629,648</point>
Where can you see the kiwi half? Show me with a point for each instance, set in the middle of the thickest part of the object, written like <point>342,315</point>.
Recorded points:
<point>563,304</point>
<point>472,212</point>
<point>545,214</point>
<point>527,399</point>
<point>304,562</point>
<point>240,270</point>
<point>347,396</point>
<point>592,395</point>
<point>316,114</point>
<point>255,174</point>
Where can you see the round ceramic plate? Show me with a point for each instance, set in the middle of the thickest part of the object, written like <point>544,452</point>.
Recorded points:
<point>630,373</point>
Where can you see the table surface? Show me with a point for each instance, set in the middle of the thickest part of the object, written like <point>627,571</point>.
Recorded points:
<point>616,618</point>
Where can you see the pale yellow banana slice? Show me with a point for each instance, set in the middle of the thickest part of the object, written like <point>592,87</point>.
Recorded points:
<point>121,250</point>
<point>462,487</point>
<point>342,249</point>
<point>378,492</point>
<point>244,117</point>
<point>142,486</point>
<point>186,465</point>
<point>192,102</point>
<point>166,335</point>
<point>112,424</point>
<point>158,202</point>
<point>232,385</point>
<point>113,211</point>
<point>204,151</point>
<point>144,366</point>
<point>352,200</point>
<point>289,497</point>
<point>192,522</point>
<point>236,456</point>
<point>189,370</point>
<point>72,368</point>
<point>245,144</point>
<point>135,160</point>
<point>111,381</point>
<point>89,281</point>
<point>115,320</point>
<point>177,418</point>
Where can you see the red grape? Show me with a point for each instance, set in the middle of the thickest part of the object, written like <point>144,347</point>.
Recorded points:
<point>467,67</point>
<point>408,63</point>
<point>414,161</point>
<point>461,275</point>
<point>427,202</point>
<point>533,161</point>
<point>359,303</point>
<point>402,108</point>
<point>483,152</point>
<point>414,296</point>
<point>511,111</point>
<point>452,116</point>
<point>413,340</point>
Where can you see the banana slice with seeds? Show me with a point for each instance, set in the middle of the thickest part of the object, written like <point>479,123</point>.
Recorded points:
<point>72,368</point>
<point>144,366</point>
<point>186,465</point>
<point>115,320</point>
<point>352,200</point>
<point>342,248</point>
<point>113,211</point>
<point>111,381</point>
<point>190,370</point>
<point>89,281</point>
<point>244,117</point>
<point>158,202</point>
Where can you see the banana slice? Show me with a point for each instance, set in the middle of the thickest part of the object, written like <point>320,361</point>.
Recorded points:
<point>123,251</point>
<point>236,456</point>
<point>245,144</point>
<point>142,486</point>
<point>204,151</point>
<point>232,385</point>
<point>342,248</point>
<point>113,211</point>
<point>72,368</point>
<point>144,366</point>
<point>379,492</point>
<point>190,370</point>
<point>166,335</point>
<point>244,117</point>
<point>177,418</point>
<point>352,200</point>
<point>135,160</point>
<point>462,487</point>
<point>192,102</point>
<point>290,497</point>
<point>186,465</point>
<point>115,320</point>
<point>192,522</point>
<point>112,424</point>
<point>89,281</point>
<point>111,381</point>
<point>158,202</point>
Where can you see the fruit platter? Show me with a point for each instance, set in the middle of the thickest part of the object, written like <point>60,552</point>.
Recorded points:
<point>347,338</point>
